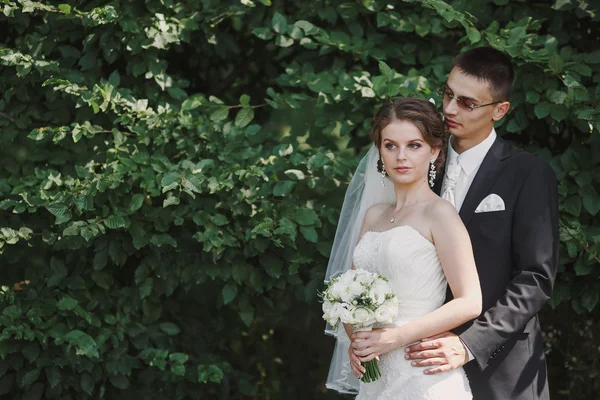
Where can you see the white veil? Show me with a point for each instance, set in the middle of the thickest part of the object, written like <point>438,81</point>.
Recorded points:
<point>365,189</point>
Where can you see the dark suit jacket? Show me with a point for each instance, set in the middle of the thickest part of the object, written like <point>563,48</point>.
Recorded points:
<point>516,252</point>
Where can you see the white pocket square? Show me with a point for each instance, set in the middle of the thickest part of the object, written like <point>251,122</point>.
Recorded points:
<point>492,202</point>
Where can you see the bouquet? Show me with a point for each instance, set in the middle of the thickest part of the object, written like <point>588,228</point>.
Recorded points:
<point>363,299</point>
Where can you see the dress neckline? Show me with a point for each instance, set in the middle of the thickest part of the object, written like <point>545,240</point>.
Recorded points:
<point>410,228</point>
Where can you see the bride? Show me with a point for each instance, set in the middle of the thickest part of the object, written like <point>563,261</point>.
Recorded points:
<point>414,238</point>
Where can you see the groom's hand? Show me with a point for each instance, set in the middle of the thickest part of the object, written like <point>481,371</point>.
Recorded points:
<point>444,352</point>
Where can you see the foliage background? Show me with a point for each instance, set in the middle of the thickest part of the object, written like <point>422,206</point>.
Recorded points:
<point>172,174</point>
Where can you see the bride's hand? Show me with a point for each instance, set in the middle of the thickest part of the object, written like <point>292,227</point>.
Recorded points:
<point>357,369</point>
<point>368,345</point>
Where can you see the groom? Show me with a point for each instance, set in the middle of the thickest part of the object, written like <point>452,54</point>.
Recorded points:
<point>507,199</point>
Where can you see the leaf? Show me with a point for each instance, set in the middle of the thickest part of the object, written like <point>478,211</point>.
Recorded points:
<point>119,381</point>
<point>295,174</point>
<point>178,358</point>
<point>386,71</point>
<point>29,377</point>
<point>66,303</point>
<point>115,222</point>
<point>220,114</point>
<point>559,112</point>
<point>305,217</point>
<point>31,351</point>
<point>170,328</point>
<point>473,35</point>
<point>309,233</point>
<point>272,264</point>
<point>83,342</point>
<point>210,373</point>
<point>263,33</point>
<point>136,202</point>
<point>146,288</point>
<point>589,300</point>
<point>87,383</point>
<point>572,205</point>
<point>245,100</point>
<point>247,315</point>
<point>244,117</point>
<point>279,23</point>
<point>556,63</point>
<point>103,279</point>
<point>516,35</point>
<point>590,198</point>
<point>229,292</point>
<point>170,201</point>
<point>532,97</point>
<point>53,375</point>
<point>283,188</point>
<point>558,97</point>
<point>240,273</point>
<point>178,370</point>
<point>542,109</point>
<point>65,8</point>
<point>284,41</point>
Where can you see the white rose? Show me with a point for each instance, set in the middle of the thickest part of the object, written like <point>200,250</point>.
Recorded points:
<point>356,289</point>
<point>337,290</point>
<point>361,316</point>
<point>385,313</point>
<point>379,291</point>
<point>337,312</point>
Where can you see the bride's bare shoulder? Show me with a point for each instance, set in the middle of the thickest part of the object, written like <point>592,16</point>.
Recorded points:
<point>441,208</point>
<point>375,211</point>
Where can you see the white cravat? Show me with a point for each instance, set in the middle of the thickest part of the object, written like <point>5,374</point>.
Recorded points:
<point>453,174</point>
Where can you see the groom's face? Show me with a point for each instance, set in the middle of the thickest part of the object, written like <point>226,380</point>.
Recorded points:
<point>472,125</point>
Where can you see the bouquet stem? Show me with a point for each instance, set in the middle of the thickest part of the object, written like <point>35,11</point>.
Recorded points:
<point>372,372</point>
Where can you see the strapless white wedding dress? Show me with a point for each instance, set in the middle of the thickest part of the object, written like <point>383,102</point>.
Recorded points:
<point>410,263</point>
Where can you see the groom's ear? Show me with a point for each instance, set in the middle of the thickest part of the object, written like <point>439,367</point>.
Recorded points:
<point>501,110</point>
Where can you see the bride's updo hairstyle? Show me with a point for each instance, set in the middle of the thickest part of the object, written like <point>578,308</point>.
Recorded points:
<point>421,113</point>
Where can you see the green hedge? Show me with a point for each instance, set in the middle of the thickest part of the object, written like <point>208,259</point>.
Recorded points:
<point>172,174</point>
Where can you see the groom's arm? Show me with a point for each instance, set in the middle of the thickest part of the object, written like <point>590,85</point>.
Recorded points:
<point>535,244</point>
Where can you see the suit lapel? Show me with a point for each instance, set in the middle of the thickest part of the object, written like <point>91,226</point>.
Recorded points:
<point>488,172</point>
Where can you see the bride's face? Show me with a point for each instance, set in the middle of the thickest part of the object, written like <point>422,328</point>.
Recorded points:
<point>405,152</point>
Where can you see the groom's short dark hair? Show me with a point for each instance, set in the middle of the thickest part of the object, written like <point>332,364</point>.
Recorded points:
<point>489,65</point>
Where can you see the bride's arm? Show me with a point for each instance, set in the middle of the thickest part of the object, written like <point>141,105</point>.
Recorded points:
<point>454,250</point>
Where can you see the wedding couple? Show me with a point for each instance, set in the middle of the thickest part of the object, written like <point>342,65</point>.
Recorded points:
<point>471,267</point>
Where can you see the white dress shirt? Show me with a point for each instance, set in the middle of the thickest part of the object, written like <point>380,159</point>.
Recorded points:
<point>470,161</point>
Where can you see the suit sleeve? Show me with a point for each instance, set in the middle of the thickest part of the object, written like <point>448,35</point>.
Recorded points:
<point>534,244</point>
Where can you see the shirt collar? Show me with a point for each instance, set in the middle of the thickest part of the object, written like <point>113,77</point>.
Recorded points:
<point>471,159</point>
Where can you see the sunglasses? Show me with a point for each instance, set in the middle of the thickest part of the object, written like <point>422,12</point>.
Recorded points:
<point>465,104</point>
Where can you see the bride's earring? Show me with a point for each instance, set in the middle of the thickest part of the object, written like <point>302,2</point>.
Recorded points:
<point>432,174</point>
<point>383,173</point>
